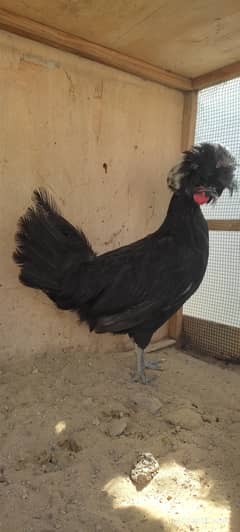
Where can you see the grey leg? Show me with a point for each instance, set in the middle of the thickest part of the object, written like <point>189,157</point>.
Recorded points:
<point>140,374</point>
<point>142,364</point>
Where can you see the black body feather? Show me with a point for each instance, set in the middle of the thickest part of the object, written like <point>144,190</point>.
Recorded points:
<point>134,289</point>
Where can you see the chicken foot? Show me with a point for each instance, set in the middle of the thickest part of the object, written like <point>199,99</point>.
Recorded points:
<point>143,364</point>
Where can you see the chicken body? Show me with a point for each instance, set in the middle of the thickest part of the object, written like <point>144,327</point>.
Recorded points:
<point>135,289</point>
<point>131,290</point>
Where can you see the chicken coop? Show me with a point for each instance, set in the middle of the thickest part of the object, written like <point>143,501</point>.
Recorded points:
<point>98,100</point>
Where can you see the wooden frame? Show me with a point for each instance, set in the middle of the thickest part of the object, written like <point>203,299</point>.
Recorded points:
<point>30,29</point>
<point>211,338</point>
<point>217,76</point>
<point>74,44</point>
<point>188,130</point>
<point>224,225</point>
<point>176,322</point>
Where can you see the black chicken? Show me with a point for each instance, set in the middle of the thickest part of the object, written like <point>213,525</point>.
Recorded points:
<point>134,289</point>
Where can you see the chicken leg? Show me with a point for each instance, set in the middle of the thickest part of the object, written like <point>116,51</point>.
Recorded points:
<point>142,364</point>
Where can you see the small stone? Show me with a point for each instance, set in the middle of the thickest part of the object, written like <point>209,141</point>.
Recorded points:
<point>169,498</point>
<point>117,427</point>
<point>96,422</point>
<point>70,444</point>
<point>151,404</point>
<point>144,470</point>
<point>154,405</point>
<point>195,405</point>
<point>184,417</point>
<point>34,371</point>
<point>207,418</point>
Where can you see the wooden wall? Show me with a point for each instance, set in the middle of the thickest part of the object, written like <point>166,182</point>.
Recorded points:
<point>62,119</point>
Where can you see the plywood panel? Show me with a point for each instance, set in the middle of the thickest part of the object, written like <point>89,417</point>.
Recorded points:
<point>26,27</point>
<point>102,142</point>
<point>189,38</point>
<point>102,21</point>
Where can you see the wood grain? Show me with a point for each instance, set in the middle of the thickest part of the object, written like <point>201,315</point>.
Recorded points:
<point>189,120</point>
<point>76,45</point>
<point>62,119</point>
<point>187,37</point>
<point>217,76</point>
<point>188,131</point>
<point>224,225</point>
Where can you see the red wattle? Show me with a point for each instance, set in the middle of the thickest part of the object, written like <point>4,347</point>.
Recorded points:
<point>200,197</point>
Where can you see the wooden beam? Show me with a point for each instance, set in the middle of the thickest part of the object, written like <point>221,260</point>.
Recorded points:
<point>30,29</point>
<point>161,344</point>
<point>175,326</point>
<point>217,76</point>
<point>189,120</point>
<point>224,225</point>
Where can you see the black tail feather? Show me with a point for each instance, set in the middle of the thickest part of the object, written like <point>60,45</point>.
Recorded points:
<point>46,245</point>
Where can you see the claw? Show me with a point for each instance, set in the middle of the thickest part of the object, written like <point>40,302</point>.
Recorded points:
<point>153,364</point>
<point>139,377</point>
<point>142,378</point>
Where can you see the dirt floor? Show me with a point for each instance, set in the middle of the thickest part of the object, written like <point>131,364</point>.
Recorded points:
<point>72,427</point>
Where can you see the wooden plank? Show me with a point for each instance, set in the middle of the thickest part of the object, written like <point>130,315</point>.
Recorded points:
<point>192,42</point>
<point>86,138</point>
<point>217,76</point>
<point>190,38</point>
<point>187,138</point>
<point>224,225</point>
<point>71,43</point>
<point>189,120</point>
<point>175,327</point>
<point>161,344</point>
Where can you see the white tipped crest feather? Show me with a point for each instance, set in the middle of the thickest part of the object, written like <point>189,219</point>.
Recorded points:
<point>175,176</point>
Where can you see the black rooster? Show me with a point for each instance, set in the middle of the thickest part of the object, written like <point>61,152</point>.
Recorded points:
<point>134,289</point>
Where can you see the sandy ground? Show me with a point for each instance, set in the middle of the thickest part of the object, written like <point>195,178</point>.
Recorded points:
<point>72,427</point>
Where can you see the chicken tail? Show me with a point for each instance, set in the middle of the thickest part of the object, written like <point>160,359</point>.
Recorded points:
<point>47,247</point>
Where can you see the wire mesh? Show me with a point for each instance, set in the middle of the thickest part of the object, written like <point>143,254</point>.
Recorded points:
<point>211,338</point>
<point>218,298</point>
<point>212,315</point>
<point>218,120</point>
